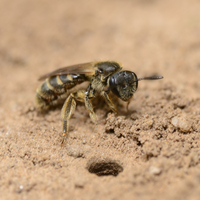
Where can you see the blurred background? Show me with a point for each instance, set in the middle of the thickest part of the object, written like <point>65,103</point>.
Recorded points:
<point>146,36</point>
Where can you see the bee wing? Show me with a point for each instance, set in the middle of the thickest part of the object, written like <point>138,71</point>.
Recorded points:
<point>84,68</point>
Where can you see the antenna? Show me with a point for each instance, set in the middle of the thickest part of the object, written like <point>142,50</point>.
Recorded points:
<point>150,78</point>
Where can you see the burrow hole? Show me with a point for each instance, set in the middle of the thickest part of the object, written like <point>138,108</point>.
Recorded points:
<point>104,167</point>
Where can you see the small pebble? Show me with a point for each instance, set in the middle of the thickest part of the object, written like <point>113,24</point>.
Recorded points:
<point>154,170</point>
<point>181,123</point>
<point>84,142</point>
<point>21,187</point>
<point>74,152</point>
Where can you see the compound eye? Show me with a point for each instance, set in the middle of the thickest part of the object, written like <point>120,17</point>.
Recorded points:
<point>123,84</point>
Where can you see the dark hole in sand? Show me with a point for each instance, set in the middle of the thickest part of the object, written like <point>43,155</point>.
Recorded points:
<point>104,167</point>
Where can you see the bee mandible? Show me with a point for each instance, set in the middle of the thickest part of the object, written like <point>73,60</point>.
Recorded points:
<point>104,78</point>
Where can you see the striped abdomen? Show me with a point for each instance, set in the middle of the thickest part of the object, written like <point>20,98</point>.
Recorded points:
<point>56,87</point>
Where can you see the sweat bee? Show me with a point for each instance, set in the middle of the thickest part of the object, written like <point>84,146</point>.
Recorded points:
<point>104,78</point>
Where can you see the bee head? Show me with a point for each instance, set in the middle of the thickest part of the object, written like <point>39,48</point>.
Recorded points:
<point>123,84</point>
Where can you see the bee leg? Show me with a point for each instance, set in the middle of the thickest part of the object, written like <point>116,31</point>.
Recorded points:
<point>127,105</point>
<point>67,110</point>
<point>83,96</point>
<point>88,104</point>
<point>70,105</point>
<point>89,107</point>
<point>109,101</point>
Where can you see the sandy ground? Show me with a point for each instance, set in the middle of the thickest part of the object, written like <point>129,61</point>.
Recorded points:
<point>150,152</point>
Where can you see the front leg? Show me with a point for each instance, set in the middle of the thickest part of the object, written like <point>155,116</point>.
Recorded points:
<point>108,100</point>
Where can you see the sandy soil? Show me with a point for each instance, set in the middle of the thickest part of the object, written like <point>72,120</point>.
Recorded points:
<point>150,152</point>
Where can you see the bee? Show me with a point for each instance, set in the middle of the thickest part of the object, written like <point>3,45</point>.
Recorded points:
<point>104,78</point>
